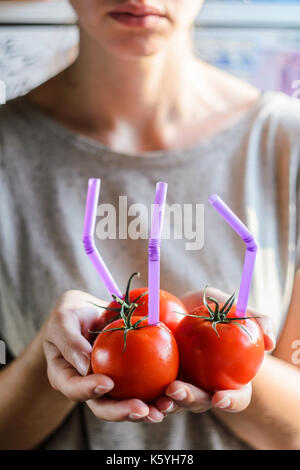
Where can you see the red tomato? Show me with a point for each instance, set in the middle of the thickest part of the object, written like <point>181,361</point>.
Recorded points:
<point>144,369</point>
<point>223,362</point>
<point>169,306</point>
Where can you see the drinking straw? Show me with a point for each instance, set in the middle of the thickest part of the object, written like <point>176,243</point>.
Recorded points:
<point>154,253</point>
<point>88,237</point>
<point>250,255</point>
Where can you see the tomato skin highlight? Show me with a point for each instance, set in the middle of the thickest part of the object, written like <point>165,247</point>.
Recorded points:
<point>149,363</point>
<point>170,307</point>
<point>215,363</point>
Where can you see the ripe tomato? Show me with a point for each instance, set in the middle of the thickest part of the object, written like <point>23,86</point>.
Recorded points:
<point>224,360</point>
<point>170,307</point>
<point>145,367</point>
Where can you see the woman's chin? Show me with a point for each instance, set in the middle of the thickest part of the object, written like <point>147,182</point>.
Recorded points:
<point>135,47</point>
<point>131,42</point>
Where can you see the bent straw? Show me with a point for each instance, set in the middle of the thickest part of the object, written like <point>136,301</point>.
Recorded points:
<point>250,255</point>
<point>88,237</point>
<point>154,253</point>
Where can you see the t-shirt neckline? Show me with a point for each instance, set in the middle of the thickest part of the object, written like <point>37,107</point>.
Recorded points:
<point>94,147</point>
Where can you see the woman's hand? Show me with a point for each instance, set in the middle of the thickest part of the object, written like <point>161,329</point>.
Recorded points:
<point>181,396</point>
<point>67,347</point>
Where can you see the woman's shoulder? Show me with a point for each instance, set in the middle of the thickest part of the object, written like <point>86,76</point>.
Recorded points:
<point>23,136</point>
<point>7,109</point>
<point>21,127</point>
<point>11,119</point>
<point>13,129</point>
<point>280,113</point>
<point>272,111</point>
<point>274,132</point>
<point>12,110</point>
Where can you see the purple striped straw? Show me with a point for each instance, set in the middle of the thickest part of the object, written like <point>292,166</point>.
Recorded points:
<point>250,255</point>
<point>154,253</point>
<point>88,237</point>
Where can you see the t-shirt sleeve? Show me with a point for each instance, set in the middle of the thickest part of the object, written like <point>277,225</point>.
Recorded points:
<point>8,242</point>
<point>298,218</point>
<point>290,128</point>
<point>297,189</point>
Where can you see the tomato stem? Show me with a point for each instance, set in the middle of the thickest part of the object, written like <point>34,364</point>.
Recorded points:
<point>128,327</point>
<point>220,315</point>
<point>126,298</point>
<point>128,306</point>
<point>125,312</point>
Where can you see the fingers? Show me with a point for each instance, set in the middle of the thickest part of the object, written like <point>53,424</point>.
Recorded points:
<point>68,328</point>
<point>124,410</point>
<point>194,299</point>
<point>187,396</point>
<point>180,395</point>
<point>68,351</point>
<point>154,416</point>
<point>64,331</point>
<point>133,410</point>
<point>233,401</point>
<point>268,327</point>
<point>167,406</point>
<point>64,378</point>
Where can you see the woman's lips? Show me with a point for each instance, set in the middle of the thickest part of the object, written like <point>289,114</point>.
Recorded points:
<point>137,15</point>
<point>139,21</point>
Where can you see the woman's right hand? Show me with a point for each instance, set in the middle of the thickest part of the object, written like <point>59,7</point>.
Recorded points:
<point>67,347</point>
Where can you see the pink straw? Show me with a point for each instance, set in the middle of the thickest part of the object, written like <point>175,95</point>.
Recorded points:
<point>250,255</point>
<point>88,237</point>
<point>154,253</point>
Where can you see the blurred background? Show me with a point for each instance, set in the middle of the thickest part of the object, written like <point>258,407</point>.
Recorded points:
<point>257,40</point>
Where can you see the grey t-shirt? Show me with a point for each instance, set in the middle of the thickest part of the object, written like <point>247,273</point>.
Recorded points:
<point>253,165</point>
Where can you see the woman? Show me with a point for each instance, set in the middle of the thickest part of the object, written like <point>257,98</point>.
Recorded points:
<point>137,106</point>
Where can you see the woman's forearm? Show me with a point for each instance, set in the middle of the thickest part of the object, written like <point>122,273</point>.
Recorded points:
<point>272,420</point>
<point>30,410</point>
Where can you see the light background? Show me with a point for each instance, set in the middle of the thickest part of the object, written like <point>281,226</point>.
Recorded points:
<point>259,41</point>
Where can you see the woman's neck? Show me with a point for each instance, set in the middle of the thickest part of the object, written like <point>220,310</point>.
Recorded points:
<point>161,101</point>
<point>135,89</point>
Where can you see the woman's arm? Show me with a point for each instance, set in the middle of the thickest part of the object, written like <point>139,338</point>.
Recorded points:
<point>41,386</point>
<point>29,407</point>
<point>272,420</point>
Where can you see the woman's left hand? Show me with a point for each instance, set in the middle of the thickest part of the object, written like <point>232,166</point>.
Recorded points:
<point>181,396</point>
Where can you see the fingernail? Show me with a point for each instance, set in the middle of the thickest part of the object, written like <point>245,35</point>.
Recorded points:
<point>170,408</point>
<point>204,407</point>
<point>224,403</point>
<point>101,389</point>
<point>154,420</point>
<point>271,336</point>
<point>179,395</point>
<point>135,416</point>
<point>82,363</point>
